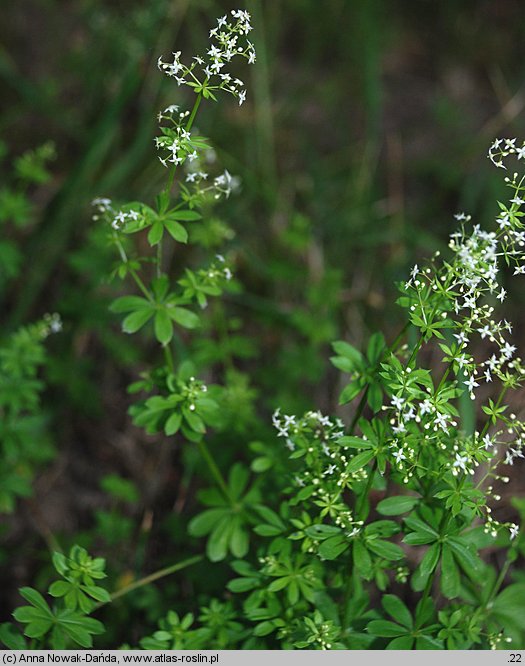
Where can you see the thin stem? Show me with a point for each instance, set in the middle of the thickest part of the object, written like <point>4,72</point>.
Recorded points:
<point>150,578</point>
<point>498,404</point>
<point>194,111</point>
<point>362,403</point>
<point>171,177</point>
<point>140,284</point>
<point>214,469</point>
<point>359,410</point>
<point>159,258</point>
<point>399,337</point>
<point>169,359</point>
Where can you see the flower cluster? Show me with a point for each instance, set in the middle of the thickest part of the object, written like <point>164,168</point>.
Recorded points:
<point>51,323</point>
<point>325,473</point>
<point>206,282</point>
<point>176,140</point>
<point>502,148</point>
<point>208,73</point>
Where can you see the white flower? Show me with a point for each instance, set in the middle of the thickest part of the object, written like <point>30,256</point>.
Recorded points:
<point>461,462</point>
<point>471,384</point>
<point>514,529</point>
<point>398,402</point>
<point>399,455</point>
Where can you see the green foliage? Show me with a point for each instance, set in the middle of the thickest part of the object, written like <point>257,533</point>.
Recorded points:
<point>24,440</point>
<point>350,525</point>
<point>65,624</point>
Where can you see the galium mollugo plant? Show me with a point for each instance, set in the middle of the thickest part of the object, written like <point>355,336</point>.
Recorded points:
<point>366,534</point>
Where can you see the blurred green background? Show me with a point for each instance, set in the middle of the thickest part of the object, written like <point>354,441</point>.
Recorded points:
<point>366,128</point>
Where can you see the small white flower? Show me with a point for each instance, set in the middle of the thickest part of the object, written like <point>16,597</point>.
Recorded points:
<point>397,402</point>
<point>471,384</point>
<point>399,455</point>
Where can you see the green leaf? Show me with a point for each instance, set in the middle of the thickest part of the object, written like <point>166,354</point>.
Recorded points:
<point>155,233</point>
<point>10,637</point>
<point>375,348</point>
<point>354,442</point>
<point>205,522</point>
<point>28,614</point>
<point>397,609</point>
<point>342,363</point>
<point>270,516</point>
<point>129,303</point>
<point>80,628</point>
<point>385,549</point>
<point>419,526</point>
<point>59,588</point>
<point>238,480</point>
<point>239,541</point>
<point>393,506</point>
<point>509,604</point>
<point>362,560</point>
<point>176,231</point>
<point>350,392</point>
<point>264,628</point>
<point>38,628</point>
<point>163,327</point>
<point>418,538</point>
<point>428,643</point>
<point>239,585</point>
<point>359,461</point>
<point>450,578</point>
<point>34,597</point>
<point>331,548</point>
<point>385,628</point>
<point>322,531</point>
<point>430,560</point>
<point>342,348</point>
<point>184,317</point>
<point>98,593</point>
<point>136,320</point>
<point>466,556</point>
<point>401,643</point>
<point>60,563</point>
<point>217,545</point>
<point>173,424</point>
<point>279,584</point>
<point>267,530</point>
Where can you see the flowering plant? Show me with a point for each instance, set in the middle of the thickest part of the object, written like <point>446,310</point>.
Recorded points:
<point>366,534</point>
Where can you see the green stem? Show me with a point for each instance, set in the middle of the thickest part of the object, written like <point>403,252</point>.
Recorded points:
<point>169,359</point>
<point>498,404</point>
<point>151,578</point>
<point>159,258</point>
<point>359,411</point>
<point>194,111</point>
<point>140,284</point>
<point>171,177</point>
<point>397,340</point>
<point>214,469</point>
